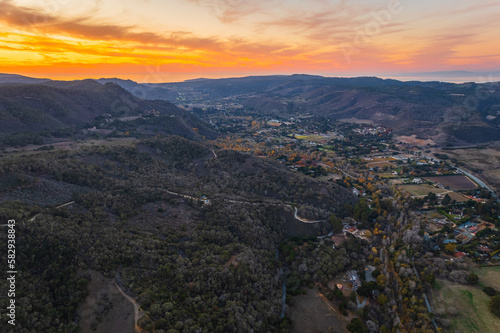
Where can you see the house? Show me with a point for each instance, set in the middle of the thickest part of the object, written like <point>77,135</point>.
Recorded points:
<point>459,254</point>
<point>484,248</point>
<point>352,276</point>
<point>205,200</point>
<point>368,273</point>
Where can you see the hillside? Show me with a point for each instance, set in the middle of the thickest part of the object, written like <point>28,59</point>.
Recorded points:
<point>132,220</point>
<point>447,112</point>
<point>60,108</point>
<point>19,79</point>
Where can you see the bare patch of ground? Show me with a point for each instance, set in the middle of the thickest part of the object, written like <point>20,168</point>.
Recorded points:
<point>105,309</point>
<point>232,261</point>
<point>357,121</point>
<point>484,163</point>
<point>414,141</point>
<point>455,182</point>
<point>313,312</point>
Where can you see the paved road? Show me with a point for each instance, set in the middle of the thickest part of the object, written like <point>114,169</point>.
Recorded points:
<point>467,173</point>
<point>479,181</point>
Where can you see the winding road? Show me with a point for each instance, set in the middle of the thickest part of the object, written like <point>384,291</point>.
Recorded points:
<point>303,219</point>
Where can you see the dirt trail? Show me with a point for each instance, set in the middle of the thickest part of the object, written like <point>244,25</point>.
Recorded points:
<point>138,313</point>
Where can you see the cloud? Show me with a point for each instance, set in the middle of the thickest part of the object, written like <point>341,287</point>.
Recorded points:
<point>231,10</point>
<point>40,22</point>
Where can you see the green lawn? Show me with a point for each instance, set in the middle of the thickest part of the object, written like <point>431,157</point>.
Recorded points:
<point>472,305</point>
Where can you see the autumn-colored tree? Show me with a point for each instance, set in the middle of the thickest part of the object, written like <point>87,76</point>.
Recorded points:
<point>450,248</point>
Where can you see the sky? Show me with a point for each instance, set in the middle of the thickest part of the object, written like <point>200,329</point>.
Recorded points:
<point>172,40</point>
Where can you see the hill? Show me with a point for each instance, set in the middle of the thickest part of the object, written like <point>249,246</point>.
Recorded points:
<point>137,218</point>
<point>458,113</point>
<point>61,108</point>
<point>20,79</point>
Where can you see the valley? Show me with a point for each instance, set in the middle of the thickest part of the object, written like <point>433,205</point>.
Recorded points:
<point>201,212</point>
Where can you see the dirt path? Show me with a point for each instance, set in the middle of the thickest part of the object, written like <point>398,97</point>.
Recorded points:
<point>301,219</point>
<point>138,313</point>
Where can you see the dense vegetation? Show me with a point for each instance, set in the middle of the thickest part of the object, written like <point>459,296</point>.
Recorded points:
<point>29,113</point>
<point>190,266</point>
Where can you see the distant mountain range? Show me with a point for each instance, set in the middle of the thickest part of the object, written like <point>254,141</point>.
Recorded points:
<point>13,78</point>
<point>446,112</point>
<point>478,77</point>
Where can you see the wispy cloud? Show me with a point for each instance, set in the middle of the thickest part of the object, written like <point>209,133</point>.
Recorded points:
<point>33,20</point>
<point>231,10</point>
<point>284,35</point>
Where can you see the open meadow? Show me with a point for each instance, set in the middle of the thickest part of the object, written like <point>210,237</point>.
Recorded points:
<point>313,312</point>
<point>463,308</point>
<point>489,277</point>
<point>421,190</point>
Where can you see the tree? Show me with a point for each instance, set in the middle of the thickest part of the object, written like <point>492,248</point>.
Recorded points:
<point>495,305</point>
<point>446,200</point>
<point>472,279</point>
<point>356,326</point>
<point>430,279</point>
<point>450,248</point>
<point>361,210</point>
<point>336,224</point>
<point>382,299</point>
<point>489,291</point>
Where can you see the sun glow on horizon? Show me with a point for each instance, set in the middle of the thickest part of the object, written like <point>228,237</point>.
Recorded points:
<point>157,41</point>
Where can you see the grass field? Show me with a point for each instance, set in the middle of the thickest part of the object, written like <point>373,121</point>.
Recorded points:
<point>471,304</point>
<point>379,164</point>
<point>489,277</point>
<point>312,312</point>
<point>457,196</point>
<point>421,190</point>
<point>313,137</point>
<point>387,175</point>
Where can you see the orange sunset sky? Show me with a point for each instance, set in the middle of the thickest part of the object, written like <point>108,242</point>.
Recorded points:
<point>172,40</point>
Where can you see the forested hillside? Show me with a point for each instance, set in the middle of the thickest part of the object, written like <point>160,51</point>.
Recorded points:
<point>35,113</point>
<point>191,266</point>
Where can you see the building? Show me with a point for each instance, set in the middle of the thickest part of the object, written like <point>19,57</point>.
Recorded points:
<point>352,276</point>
